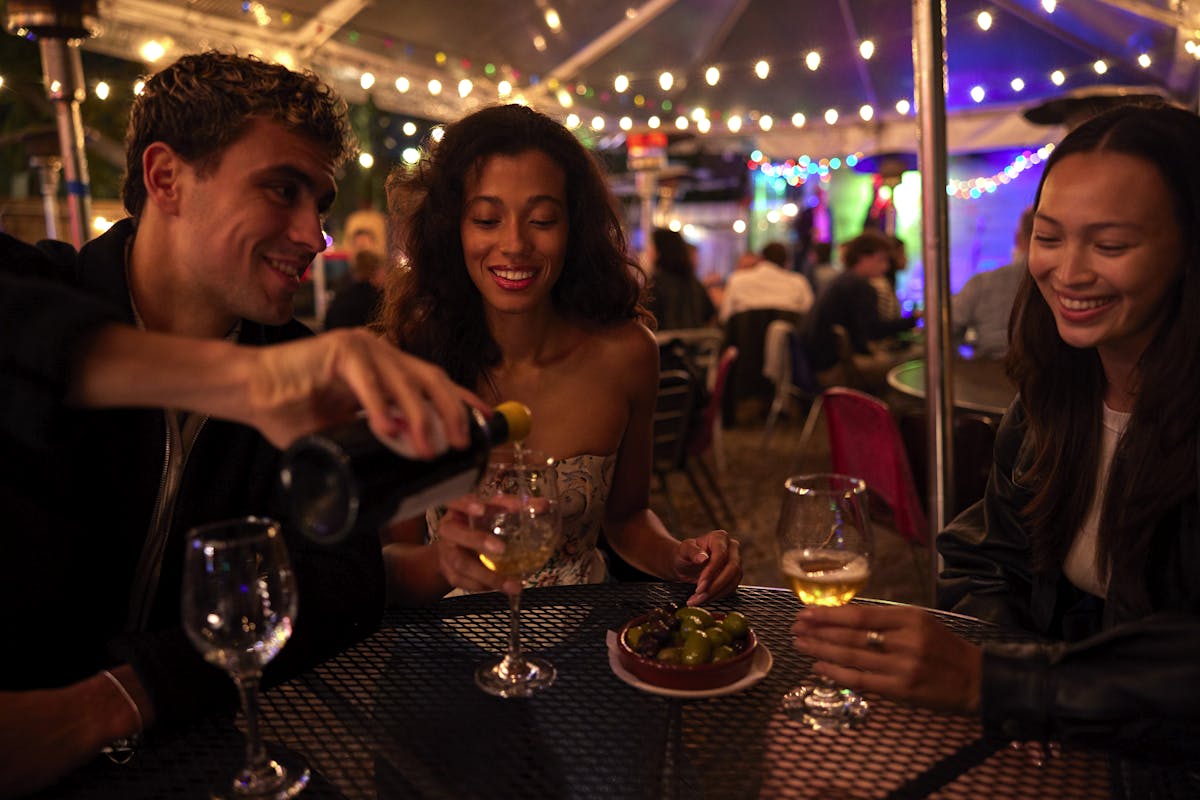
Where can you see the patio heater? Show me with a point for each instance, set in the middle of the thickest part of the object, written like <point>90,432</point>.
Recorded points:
<point>42,146</point>
<point>59,26</point>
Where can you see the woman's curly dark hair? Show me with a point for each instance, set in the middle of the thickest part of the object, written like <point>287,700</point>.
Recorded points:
<point>1154,467</point>
<point>431,308</point>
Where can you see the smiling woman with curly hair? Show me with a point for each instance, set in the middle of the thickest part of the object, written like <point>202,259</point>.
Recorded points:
<point>519,285</point>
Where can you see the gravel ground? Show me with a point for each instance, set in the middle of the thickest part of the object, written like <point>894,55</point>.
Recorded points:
<point>753,484</point>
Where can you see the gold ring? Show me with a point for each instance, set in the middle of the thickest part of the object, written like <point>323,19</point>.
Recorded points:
<point>875,640</point>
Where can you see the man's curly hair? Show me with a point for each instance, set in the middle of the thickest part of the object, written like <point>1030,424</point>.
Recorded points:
<point>203,102</point>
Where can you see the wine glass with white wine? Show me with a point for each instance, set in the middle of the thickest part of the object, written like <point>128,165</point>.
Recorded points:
<point>520,498</point>
<point>239,603</point>
<point>824,542</point>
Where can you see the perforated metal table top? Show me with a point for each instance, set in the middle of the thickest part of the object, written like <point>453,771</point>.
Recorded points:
<point>398,716</point>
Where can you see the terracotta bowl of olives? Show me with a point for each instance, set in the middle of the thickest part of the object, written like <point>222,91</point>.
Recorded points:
<point>687,647</point>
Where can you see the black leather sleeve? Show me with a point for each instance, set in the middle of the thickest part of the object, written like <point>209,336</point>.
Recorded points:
<point>986,551</point>
<point>43,323</point>
<point>1132,688</point>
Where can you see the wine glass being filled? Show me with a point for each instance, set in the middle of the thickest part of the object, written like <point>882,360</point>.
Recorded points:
<point>519,495</point>
<point>824,546</point>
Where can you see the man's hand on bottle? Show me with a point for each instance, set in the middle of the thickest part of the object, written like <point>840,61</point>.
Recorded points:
<point>713,561</point>
<point>302,386</point>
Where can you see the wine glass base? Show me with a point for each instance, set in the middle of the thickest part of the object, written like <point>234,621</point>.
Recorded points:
<point>504,679</point>
<point>819,711</point>
<point>286,775</point>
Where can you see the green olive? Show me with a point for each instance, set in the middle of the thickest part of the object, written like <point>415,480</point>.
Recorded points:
<point>702,617</point>
<point>696,649</point>
<point>722,653</point>
<point>718,635</point>
<point>670,655</point>
<point>634,635</point>
<point>735,624</point>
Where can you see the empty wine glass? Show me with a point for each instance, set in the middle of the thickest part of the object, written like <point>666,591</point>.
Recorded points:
<point>824,544</point>
<point>239,602</point>
<point>520,500</point>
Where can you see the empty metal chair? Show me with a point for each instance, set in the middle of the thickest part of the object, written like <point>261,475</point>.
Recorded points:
<point>794,378</point>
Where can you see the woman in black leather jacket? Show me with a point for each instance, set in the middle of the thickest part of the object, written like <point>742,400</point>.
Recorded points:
<point>1089,533</point>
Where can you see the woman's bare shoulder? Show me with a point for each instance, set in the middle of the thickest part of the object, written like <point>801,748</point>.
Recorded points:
<point>627,343</point>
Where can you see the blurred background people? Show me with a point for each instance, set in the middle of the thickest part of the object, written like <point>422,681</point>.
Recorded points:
<point>767,284</point>
<point>979,312</point>
<point>852,303</point>
<point>677,298</point>
<point>366,229</point>
<point>356,303</point>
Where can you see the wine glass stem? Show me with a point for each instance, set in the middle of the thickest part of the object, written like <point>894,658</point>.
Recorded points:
<point>514,629</point>
<point>256,754</point>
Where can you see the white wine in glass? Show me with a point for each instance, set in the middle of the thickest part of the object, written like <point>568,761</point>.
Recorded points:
<point>520,498</point>
<point>824,545</point>
<point>239,604</point>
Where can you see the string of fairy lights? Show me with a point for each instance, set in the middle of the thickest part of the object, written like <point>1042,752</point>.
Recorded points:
<point>645,102</point>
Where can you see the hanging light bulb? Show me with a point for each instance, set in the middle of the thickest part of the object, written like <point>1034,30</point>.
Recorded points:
<point>866,49</point>
<point>504,88</point>
<point>597,123</point>
<point>712,75</point>
<point>573,121</point>
<point>734,123</point>
<point>435,86</point>
<point>984,21</point>
<point>1058,77</point>
<point>903,107</point>
<point>762,69</point>
<point>464,87</point>
<point>625,123</point>
<point>812,60</point>
<point>1144,61</point>
<point>621,83</point>
<point>867,113</point>
<point>666,81</point>
<point>798,120</point>
<point>366,80</point>
<point>402,84</point>
<point>831,116</point>
<point>654,123</point>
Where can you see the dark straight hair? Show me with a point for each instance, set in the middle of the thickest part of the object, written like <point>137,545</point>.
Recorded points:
<point>1061,387</point>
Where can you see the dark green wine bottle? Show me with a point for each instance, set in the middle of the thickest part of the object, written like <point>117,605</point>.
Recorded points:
<point>344,478</point>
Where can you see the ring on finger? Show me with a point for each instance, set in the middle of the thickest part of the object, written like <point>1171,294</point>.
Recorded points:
<point>875,640</point>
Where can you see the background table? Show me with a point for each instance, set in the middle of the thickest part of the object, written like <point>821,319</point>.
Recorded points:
<point>398,716</point>
<point>979,385</point>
